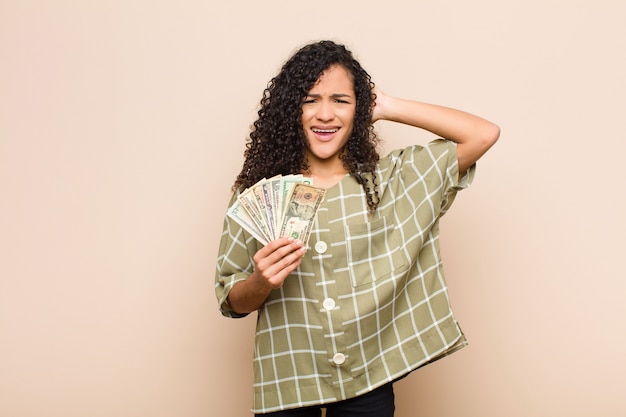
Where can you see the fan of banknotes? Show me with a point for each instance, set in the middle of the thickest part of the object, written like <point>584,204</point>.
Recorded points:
<point>277,207</point>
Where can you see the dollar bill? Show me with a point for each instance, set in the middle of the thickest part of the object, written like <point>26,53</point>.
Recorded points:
<point>302,205</point>
<point>241,216</point>
<point>277,207</point>
<point>248,200</point>
<point>287,184</point>
<point>272,188</point>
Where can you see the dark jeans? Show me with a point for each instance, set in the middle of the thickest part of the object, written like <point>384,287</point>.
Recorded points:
<point>378,403</point>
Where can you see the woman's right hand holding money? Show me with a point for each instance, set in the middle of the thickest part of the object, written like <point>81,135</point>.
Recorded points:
<point>272,265</point>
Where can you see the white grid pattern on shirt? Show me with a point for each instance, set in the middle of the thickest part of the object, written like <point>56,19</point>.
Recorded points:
<point>385,326</point>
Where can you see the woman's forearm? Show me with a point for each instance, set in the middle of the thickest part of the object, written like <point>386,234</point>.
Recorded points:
<point>248,295</point>
<point>474,135</point>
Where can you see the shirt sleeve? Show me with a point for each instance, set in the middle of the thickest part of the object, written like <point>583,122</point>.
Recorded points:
<point>435,166</point>
<point>234,262</point>
<point>453,183</point>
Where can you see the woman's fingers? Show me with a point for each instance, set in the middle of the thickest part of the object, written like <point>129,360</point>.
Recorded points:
<point>278,259</point>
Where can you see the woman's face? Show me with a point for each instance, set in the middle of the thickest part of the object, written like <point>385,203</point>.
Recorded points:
<point>328,115</point>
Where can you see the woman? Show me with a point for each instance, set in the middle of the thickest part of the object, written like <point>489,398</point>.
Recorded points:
<point>365,302</point>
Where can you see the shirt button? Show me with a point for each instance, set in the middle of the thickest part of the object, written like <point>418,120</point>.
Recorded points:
<point>321,247</point>
<point>329,304</point>
<point>339,358</point>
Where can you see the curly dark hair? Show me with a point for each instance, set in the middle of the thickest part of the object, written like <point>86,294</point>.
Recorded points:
<point>277,143</point>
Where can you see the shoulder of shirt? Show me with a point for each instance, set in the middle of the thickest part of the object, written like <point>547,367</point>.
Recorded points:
<point>437,145</point>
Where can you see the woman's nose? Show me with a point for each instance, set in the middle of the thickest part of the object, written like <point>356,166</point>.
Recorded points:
<point>325,111</point>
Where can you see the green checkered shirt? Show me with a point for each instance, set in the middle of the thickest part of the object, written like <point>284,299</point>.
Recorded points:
<point>369,302</point>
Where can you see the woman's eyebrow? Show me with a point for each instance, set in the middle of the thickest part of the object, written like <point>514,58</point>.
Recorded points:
<point>334,95</point>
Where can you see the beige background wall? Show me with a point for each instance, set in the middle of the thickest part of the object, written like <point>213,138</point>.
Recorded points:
<point>122,125</point>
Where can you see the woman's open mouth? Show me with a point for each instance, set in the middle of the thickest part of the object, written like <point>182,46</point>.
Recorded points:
<point>324,133</point>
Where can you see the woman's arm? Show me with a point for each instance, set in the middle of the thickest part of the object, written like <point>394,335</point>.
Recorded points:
<point>272,265</point>
<point>473,135</point>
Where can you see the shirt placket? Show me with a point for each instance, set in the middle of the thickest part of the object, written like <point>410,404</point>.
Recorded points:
<point>325,252</point>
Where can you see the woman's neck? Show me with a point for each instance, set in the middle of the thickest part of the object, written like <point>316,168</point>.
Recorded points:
<point>325,176</point>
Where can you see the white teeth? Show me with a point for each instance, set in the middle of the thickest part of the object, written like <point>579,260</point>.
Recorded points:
<point>325,130</point>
